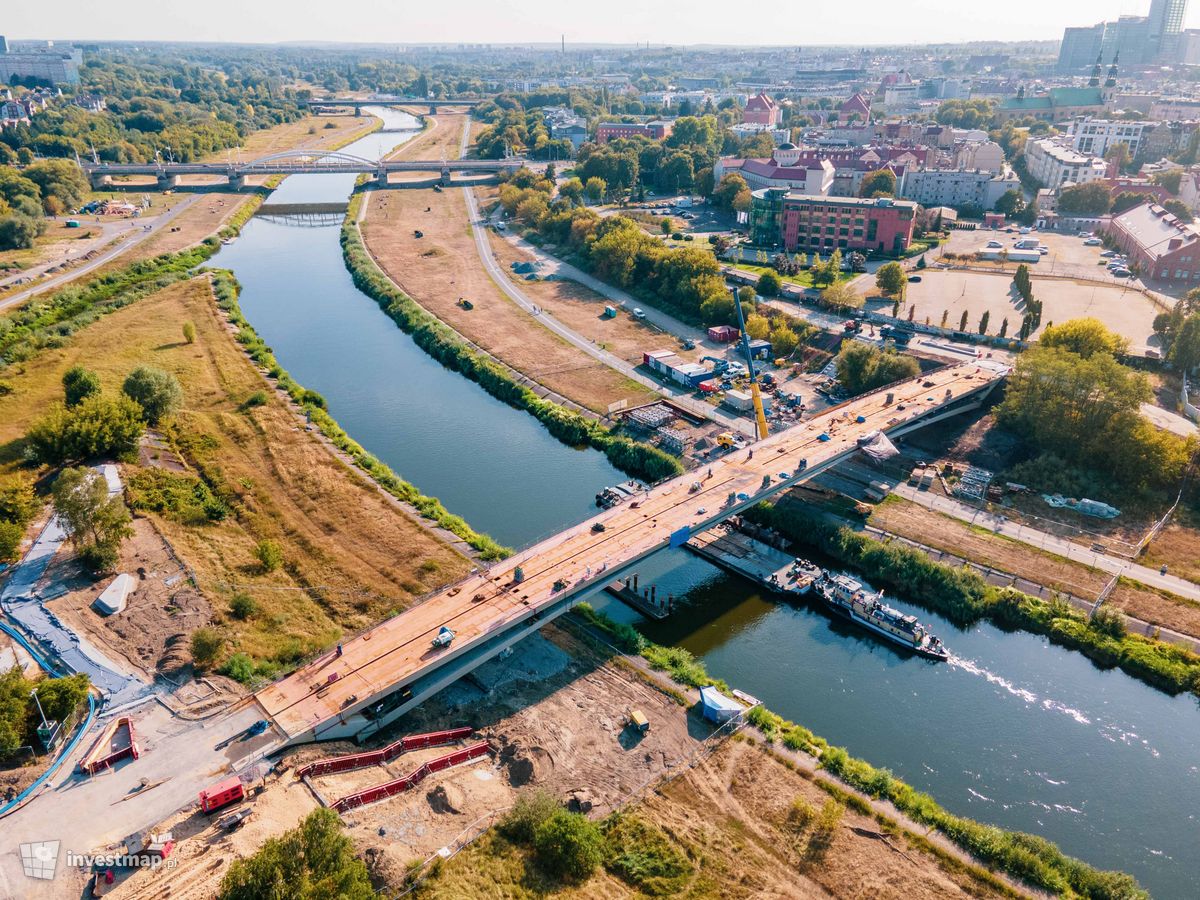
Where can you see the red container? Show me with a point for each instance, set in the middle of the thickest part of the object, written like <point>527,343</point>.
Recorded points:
<point>222,794</point>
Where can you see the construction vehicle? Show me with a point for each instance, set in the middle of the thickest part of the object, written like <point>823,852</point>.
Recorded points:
<point>443,639</point>
<point>465,303</point>
<point>759,414</point>
<point>719,365</point>
<point>638,722</point>
<point>726,439</point>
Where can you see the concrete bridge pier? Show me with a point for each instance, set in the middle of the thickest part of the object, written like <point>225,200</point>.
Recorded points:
<point>381,177</point>
<point>358,112</point>
<point>101,182</point>
<point>446,174</point>
<point>168,182</point>
<point>237,181</point>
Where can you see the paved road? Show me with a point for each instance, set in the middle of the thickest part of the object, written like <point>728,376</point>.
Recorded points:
<point>25,608</point>
<point>1046,541</point>
<point>1169,421</point>
<point>156,225</point>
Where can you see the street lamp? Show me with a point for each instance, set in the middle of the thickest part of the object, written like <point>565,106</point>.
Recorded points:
<point>41,711</point>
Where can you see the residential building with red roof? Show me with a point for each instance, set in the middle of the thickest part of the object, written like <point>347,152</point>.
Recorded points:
<point>762,110</point>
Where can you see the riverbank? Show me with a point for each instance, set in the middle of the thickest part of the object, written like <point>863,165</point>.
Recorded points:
<point>442,343</point>
<point>1027,857</point>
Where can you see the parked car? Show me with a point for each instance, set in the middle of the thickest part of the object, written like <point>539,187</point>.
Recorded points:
<point>1108,254</point>
<point>993,245</point>
<point>638,313</point>
<point>1122,273</point>
<point>1043,250</point>
<point>913,279</point>
<point>1025,229</point>
<point>1092,242</point>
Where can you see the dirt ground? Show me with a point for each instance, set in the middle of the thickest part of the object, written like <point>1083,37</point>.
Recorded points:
<point>1125,311</point>
<point>151,634</point>
<point>582,310</point>
<point>350,554</point>
<point>443,266</point>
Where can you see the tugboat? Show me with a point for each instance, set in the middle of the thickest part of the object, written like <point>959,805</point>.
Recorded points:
<point>848,598</point>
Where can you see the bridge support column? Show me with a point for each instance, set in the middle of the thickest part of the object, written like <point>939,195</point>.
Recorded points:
<point>446,174</point>
<point>100,182</point>
<point>236,181</point>
<point>358,112</point>
<point>381,178</point>
<point>168,182</point>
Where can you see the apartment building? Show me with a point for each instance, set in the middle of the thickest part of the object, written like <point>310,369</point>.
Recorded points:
<point>1055,164</point>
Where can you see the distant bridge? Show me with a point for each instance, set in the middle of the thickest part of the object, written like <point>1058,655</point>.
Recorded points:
<point>320,104</point>
<point>295,162</point>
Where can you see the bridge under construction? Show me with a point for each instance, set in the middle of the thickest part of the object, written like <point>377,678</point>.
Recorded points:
<point>373,678</point>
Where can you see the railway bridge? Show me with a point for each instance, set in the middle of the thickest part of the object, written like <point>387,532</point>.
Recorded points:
<point>380,674</point>
<point>293,162</point>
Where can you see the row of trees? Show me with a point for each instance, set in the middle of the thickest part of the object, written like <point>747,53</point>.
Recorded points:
<point>18,505</point>
<point>1033,307</point>
<point>19,714</point>
<point>1179,332</point>
<point>863,367</point>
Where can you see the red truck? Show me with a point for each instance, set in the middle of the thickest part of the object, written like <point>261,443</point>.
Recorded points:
<point>222,794</point>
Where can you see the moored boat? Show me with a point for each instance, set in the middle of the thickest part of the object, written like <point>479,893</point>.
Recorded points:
<point>849,598</point>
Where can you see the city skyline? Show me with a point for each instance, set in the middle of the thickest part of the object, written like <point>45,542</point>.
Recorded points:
<point>626,22</point>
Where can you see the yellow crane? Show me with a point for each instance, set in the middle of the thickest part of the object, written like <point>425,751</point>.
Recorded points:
<point>759,415</point>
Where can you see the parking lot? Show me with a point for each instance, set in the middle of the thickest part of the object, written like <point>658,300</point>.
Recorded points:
<point>1068,255</point>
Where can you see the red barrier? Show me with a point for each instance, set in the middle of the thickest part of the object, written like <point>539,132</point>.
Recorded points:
<point>400,785</point>
<point>383,754</point>
<point>96,759</point>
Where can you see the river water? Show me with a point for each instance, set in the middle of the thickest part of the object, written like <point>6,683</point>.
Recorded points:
<point>1013,731</point>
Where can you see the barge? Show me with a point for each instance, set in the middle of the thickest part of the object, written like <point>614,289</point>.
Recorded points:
<point>848,598</point>
<point>620,493</point>
<point>763,564</point>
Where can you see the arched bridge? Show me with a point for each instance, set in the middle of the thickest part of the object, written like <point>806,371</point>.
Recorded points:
<point>329,104</point>
<point>296,162</point>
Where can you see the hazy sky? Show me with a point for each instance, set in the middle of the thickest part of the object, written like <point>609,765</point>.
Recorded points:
<point>618,21</point>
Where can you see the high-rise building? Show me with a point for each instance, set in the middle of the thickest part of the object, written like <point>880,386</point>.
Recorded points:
<point>42,62</point>
<point>1152,38</point>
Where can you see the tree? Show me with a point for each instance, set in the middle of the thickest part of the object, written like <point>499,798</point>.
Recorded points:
<point>96,426</point>
<point>206,647</point>
<point>962,322</point>
<point>1171,180</point>
<point>1004,327</point>
<point>269,555</point>
<point>95,522</point>
<point>784,340</point>
<point>1127,200</point>
<point>571,190</point>
<point>890,279</point>
<point>59,178</point>
<point>157,392</point>
<point>880,183</point>
<point>1010,202</point>
<point>769,284</point>
<point>862,367</point>
<point>18,232</point>
<point>596,189</point>
<point>568,846</point>
<point>1084,337</point>
<point>840,295</point>
<point>313,861</point>
<point>747,295</point>
<point>1178,209</point>
<point>1185,349</point>
<point>728,189</point>
<point>921,261</point>
<point>189,332</point>
<point>983,321</point>
<point>79,384</point>
<point>758,327</point>
<point>1091,199</point>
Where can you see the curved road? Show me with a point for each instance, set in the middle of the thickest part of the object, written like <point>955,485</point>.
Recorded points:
<point>156,225</point>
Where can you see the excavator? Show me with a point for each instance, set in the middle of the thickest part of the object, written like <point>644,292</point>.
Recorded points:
<point>759,414</point>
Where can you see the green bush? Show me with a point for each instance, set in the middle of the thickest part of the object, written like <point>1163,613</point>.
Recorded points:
<point>206,647</point>
<point>157,392</point>
<point>532,808</point>
<point>269,555</point>
<point>258,398</point>
<point>178,496</point>
<point>242,606</point>
<point>239,667</point>
<point>79,384</point>
<point>97,426</point>
<point>642,855</point>
<point>568,846</point>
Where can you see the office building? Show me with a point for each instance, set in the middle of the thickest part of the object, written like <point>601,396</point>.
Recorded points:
<point>816,224</point>
<point>42,63</point>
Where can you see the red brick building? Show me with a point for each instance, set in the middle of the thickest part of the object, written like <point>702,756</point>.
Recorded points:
<point>655,131</point>
<point>820,224</point>
<point>762,110</point>
<point>1164,249</point>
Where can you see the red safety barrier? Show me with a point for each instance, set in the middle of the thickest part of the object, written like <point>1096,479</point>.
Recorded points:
<point>383,754</point>
<point>400,785</point>
<point>101,754</point>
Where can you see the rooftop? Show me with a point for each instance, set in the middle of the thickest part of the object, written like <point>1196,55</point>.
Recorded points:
<point>1155,230</point>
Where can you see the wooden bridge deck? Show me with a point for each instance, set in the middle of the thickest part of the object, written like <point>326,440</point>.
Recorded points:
<point>398,650</point>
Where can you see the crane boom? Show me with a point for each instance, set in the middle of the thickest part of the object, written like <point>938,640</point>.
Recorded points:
<point>759,414</point>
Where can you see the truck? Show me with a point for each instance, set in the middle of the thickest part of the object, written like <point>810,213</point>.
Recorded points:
<point>610,312</point>
<point>443,639</point>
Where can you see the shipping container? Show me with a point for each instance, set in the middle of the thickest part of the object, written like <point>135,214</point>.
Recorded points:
<point>222,794</point>
<point>724,334</point>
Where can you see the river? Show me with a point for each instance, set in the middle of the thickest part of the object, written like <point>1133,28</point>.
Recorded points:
<point>1013,731</point>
